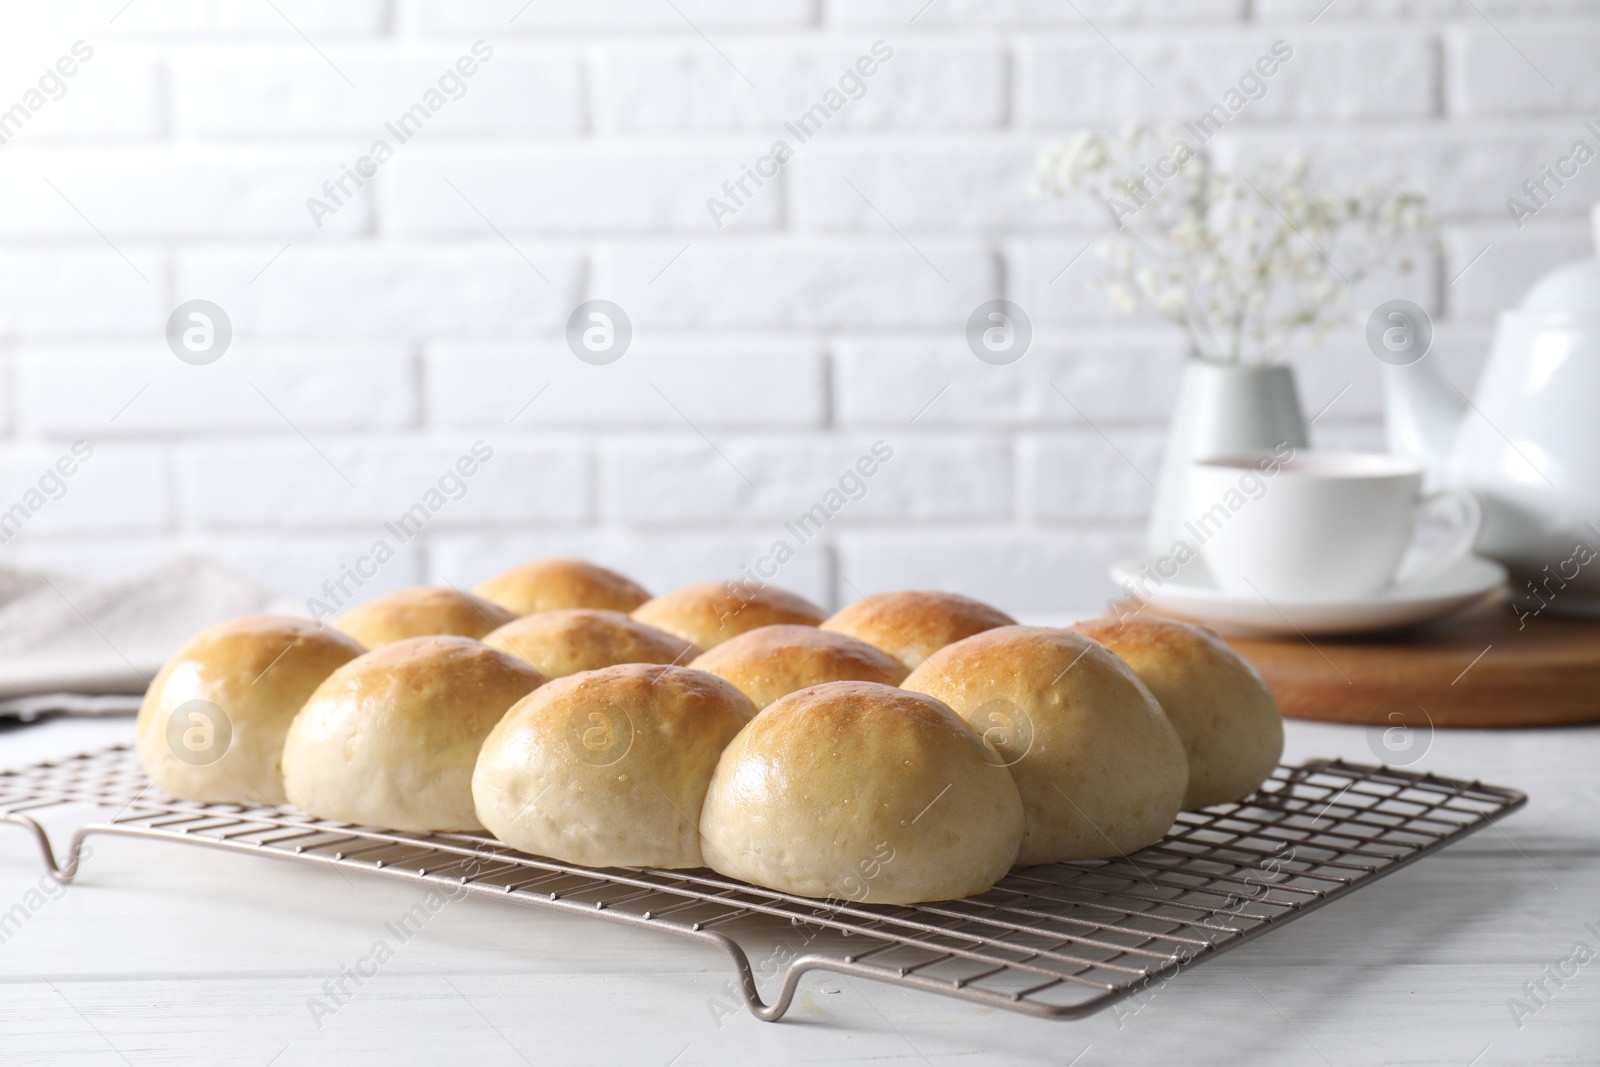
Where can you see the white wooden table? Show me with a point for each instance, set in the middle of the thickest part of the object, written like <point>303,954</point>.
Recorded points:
<point>163,954</point>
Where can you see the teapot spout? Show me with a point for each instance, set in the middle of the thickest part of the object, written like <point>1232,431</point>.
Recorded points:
<point>1422,415</point>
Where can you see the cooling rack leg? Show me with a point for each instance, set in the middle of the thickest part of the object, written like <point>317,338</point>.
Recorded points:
<point>63,875</point>
<point>747,979</point>
<point>771,1013</point>
<point>791,984</point>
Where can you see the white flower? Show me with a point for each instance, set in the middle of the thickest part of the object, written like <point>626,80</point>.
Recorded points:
<point>1239,261</point>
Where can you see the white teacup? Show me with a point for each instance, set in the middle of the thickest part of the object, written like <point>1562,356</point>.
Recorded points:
<point>1317,525</point>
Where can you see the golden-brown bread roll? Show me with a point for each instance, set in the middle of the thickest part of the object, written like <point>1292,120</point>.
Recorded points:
<point>390,738</point>
<point>609,768</point>
<point>1101,769</point>
<point>553,584</point>
<point>913,625</point>
<point>711,612</point>
<point>859,791</point>
<point>212,724</point>
<point>559,643</point>
<point>418,612</point>
<point>774,661</point>
<point>1221,707</point>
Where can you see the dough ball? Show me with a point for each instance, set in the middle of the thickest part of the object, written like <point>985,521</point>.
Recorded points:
<point>859,791</point>
<point>609,768</point>
<point>1221,707</point>
<point>774,661</point>
<point>418,612</point>
<point>554,584</point>
<point>913,625</point>
<point>563,642</point>
<point>390,738</point>
<point>1101,770</point>
<point>212,724</point>
<point>711,612</point>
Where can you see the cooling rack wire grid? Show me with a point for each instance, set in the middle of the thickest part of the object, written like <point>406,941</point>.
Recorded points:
<point>1059,941</point>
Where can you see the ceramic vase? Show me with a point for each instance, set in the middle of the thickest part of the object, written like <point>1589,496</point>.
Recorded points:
<point>1223,409</point>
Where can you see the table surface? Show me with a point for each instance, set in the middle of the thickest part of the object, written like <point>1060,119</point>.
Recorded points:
<point>162,954</point>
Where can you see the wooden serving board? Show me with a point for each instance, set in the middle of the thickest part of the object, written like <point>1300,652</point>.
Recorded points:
<point>1474,669</point>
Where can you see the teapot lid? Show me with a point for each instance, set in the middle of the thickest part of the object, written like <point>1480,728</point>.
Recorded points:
<point>1570,290</point>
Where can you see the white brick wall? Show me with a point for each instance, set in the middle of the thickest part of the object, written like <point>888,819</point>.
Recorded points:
<point>428,311</point>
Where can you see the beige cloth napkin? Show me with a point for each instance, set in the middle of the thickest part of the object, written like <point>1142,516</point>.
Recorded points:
<point>92,647</point>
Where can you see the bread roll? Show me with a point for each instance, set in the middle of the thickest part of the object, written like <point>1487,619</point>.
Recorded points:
<point>609,768</point>
<point>418,612</point>
<point>711,612</point>
<point>554,584</point>
<point>774,661</point>
<point>559,643</point>
<point>390,738</point>
<point>1101,770</point>
<point>212,724</point>
<point>911,626</point>
<point>1222,709</point>
<point>859,791</point>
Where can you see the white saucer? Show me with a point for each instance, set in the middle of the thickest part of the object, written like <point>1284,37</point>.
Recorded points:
<point>1192,594</point>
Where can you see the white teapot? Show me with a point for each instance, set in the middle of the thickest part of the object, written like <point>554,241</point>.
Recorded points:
<point>1528,443</point>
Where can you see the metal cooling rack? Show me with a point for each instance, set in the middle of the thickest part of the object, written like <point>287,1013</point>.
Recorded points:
<point>1059,941</point>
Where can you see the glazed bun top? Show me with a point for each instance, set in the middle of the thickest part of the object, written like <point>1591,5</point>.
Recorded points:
<point>390,738</point>
<point>554,584</point>
<point>563,642</point>
<point>609,768</point>
<point>859,791</point>
<point>1221,707</point>
<point>711,612</point>
<point>913,625</point>
<point>418,612</point>
<point>212,724</point>
<point>774,661</point>
<point>1101,769</point>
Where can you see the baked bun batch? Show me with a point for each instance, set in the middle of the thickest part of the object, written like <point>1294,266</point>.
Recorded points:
<point>915,746</point>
